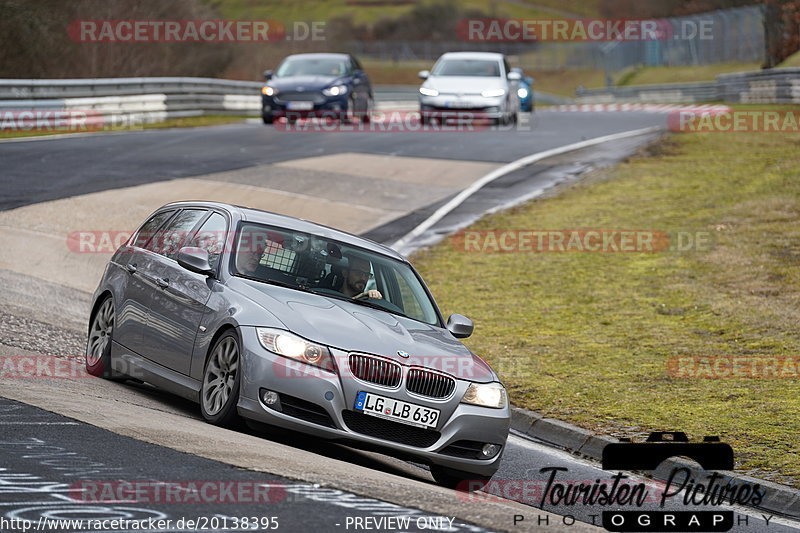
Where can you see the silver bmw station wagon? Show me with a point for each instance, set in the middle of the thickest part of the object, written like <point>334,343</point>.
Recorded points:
<point>281,321</point>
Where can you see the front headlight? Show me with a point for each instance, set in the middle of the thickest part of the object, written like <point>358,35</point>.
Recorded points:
<point>492,93</point>
<point>485,394</point>
<point>336,90</point>
<point>294,347</point>
<point>522,93</point>
<point>269,91</point>
<point>428,92</point>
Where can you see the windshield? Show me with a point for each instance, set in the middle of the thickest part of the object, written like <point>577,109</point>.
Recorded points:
<point>467,67</point>
<point>308,262</point>
<point>312,67</point>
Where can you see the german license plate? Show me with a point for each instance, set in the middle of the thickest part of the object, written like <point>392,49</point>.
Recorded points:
<point>398,410</point>
<point>300,106</point>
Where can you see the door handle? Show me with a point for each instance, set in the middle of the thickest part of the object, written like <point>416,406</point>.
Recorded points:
<point>131,268</point>
<point>162,282</point>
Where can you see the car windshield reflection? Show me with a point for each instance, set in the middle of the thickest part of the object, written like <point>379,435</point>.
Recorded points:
<point>323,266</point>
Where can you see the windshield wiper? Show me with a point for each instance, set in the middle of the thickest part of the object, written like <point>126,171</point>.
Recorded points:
<point>279,283</point>
<point>367,303</point>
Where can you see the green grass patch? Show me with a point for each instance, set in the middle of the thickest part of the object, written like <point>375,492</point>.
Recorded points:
<point>188,122</point>
<point>586,337</point>
<point>369,11</point>
<point>685,74</point>
<point>791,61</point>
<point>564,82</point>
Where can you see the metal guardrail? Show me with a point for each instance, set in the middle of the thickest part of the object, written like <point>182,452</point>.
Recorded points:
<point>38,104</point>
<point>770,86</point>
<point>131,101</point>
<point>88,87</point>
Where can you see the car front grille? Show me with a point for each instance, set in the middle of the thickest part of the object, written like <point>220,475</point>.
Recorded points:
<point>375,370</point>
<point>380,428</point>
<point>300,96</point>
<point>429,384</point>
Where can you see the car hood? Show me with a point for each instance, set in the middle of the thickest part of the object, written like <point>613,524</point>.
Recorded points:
<point>464,84</point>
<point>308,83</point>
<point>355,328</point>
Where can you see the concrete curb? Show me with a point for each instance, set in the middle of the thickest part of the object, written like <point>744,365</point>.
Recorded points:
<point>779,499</point>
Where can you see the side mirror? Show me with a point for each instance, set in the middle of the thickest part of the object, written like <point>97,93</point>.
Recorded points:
<point>195,259</point>
<point>514,76</point>
<point>529,80</point>
<point>424,74</point>
<point>460,326</point>
<point>267,75</point>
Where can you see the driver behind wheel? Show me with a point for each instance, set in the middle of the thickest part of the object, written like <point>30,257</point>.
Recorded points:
<point>356,275</point>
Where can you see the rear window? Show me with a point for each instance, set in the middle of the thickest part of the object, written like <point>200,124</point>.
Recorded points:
<point>149,228</point>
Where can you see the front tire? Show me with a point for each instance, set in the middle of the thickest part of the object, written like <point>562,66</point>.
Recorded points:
<point>458,480</point>
<point>350,115</point>
<point>366,117</point>
<point>98,344</point>
<point>268,118</point>
<point>219,392</point>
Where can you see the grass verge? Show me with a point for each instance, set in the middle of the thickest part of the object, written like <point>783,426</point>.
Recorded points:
<point>187,122</point>
<point>586,337</point>
<point>370,11</point>
<point>685,74</point>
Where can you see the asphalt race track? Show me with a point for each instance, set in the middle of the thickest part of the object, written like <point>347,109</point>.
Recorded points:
<point>378,184</point>
<point>47,169</point>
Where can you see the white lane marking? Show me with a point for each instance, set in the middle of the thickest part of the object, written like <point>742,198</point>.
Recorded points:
<point>397,105</point>
<point>38,423</point>
<point>443,211</point>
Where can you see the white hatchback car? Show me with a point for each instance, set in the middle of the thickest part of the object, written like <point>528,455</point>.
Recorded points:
<point>476,82</point>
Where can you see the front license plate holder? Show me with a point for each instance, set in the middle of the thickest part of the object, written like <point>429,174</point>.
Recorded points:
<point>300,106</point>
<point>396,410</point>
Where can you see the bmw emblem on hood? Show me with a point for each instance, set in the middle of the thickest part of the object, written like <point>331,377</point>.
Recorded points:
<point>401,353</point>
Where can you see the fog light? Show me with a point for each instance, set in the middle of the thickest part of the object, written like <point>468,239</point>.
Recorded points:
<point>271,397</point>
<point>490,450</point>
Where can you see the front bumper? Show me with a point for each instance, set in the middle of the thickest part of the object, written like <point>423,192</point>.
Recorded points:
<point>320,105</point>
<point>321,404</point>
<point>490,108</point>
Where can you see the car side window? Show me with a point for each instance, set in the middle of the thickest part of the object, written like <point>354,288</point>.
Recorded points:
<point>505,66</point>
<point>356,64</point>
<point>148,228</point>
<point>211,237</point>
<point>168,240</point>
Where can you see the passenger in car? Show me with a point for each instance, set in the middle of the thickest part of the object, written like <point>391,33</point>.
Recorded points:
<point>248,261</point>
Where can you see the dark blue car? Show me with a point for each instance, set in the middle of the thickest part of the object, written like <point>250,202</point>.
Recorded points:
<point>317,85</point>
